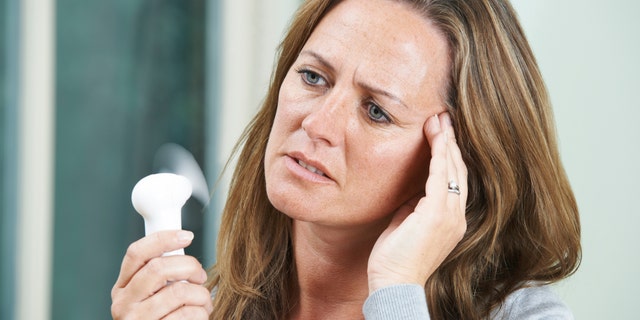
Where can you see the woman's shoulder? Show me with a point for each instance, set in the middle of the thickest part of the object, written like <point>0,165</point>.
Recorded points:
<point>533,302</point>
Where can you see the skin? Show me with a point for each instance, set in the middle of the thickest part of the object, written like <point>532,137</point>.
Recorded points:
<point>364,104</point>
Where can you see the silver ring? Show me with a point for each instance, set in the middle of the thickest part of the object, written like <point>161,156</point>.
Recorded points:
<point>453,187</point>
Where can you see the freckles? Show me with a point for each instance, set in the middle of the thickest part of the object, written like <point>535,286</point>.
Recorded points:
<point>292,106</point>
<point>379,165</point>
<point>288,116</point>
<point>398,150</point>
<point>408,158</point>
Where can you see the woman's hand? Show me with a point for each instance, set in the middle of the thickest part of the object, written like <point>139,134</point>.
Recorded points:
<point>424,230</point>
<point>154,287</point>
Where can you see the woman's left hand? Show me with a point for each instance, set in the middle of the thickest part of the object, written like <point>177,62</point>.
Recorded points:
<point>425,230</point>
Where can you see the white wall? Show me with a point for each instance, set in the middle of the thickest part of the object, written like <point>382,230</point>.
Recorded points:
<point>35,157</point>
<point>251,31</point>
<point>589,53</point>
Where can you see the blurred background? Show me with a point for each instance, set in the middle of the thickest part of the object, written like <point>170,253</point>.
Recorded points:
<point>91,90</point>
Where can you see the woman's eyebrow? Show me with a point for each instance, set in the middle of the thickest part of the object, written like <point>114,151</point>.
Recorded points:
<point>383,92</point>
<point>324,62</point>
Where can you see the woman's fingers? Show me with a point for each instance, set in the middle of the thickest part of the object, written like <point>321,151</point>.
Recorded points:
<point>436,185</point>
<point>456,166</point>
<point>141,290</point>
<point>442,210</point>
<point>188,312</point>
<point>155,275</point>
<point>175,296</point>
<point>446,162</point>
<point>170,300</point>
<point>147,248</point>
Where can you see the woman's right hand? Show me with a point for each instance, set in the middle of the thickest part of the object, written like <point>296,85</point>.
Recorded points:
<point>425,229</point>
<point>151,286</point>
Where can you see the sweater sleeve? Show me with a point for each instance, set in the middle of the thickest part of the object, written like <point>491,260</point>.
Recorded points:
<point>533,303</point>
<point>397,302</point>
<point>408,302</point>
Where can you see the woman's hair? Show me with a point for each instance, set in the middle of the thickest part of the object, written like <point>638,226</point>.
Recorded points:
<point>522,218</point>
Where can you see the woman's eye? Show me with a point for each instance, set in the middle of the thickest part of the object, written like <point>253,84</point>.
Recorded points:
<point>376,114</point>
<point>311,77</point>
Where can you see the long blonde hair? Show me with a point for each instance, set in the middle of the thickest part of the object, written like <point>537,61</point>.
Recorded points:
<point>522,217</point>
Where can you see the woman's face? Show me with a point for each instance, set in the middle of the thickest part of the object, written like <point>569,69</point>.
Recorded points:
<point>347,145</point>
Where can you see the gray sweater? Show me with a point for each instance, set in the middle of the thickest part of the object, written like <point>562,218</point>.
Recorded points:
<point>408,302</point>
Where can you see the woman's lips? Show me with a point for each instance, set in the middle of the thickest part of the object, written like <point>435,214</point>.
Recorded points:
<point>305,167</point>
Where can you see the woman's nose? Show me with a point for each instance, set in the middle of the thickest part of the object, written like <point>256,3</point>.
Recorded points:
<point>328,120</point>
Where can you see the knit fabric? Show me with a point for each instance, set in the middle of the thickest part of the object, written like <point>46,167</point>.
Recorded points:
<point>408,302</point>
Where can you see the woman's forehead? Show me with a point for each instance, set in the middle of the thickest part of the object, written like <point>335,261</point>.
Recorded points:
<point>386,42</point>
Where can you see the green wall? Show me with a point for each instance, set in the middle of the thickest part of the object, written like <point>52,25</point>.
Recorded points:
<point>129,77</point>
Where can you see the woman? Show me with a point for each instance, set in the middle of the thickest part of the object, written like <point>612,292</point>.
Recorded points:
<point>404,164</point>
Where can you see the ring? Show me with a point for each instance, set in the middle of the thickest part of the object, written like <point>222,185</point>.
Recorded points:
<point>453,187</point>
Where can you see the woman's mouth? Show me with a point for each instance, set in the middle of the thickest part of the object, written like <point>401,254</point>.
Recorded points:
<point>310,168</point>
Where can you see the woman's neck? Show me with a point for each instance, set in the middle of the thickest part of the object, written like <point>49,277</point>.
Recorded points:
<point>331,268</point>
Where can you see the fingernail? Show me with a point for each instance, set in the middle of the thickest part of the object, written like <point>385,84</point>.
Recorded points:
<point>184,236</point>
